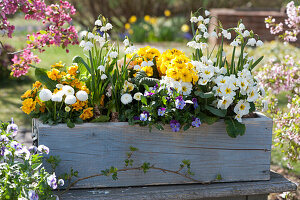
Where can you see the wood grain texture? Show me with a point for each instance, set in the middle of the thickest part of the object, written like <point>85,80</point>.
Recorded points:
<point>253,190</point>
<point>90,148</point>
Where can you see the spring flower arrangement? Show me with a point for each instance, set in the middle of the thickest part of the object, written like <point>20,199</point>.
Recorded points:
<point>153,88</point>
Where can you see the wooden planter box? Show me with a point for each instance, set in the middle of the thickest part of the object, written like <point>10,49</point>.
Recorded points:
<point>92,147</point>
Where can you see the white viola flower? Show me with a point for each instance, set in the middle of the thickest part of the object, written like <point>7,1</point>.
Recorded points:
<point>186,88</point>
<point>82,43</point>
<point>206,21</point>
<point>56,98</point>
<point>82,95</point>
<point>194,20</point>
<point>246,33</point>
<point>202,28</point>
<point>113,54</point>
<point>68,90</point>
<point>242,107</point>
<point>228,90</point>
<point>45,95</point>
<point>136,67</point>
<point>214,34</point>
<point>59,86</point>
<point>101,68</point>
<point>98,22</point>
<point>88,46</point>
<point>43,149</point>
<point>200,18</point>
<point>70,99</point>
<point>259,43</point>
<point>207,13</point>
<point>241,26</point>
<point>126,98</point>
<point>103,77</point>
<point>126,42</point>
<point>138,96</point>
<point>238,117</point>
<point>251,42</point>
<point>206,35</point>
<point>252,94</point>
<point>225,102</point>
<point>234,43</point>
<point>90,35</point>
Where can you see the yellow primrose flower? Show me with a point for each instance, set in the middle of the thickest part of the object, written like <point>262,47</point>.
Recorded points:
<point>186,75</point>
<point>130,31</point>
<point>37,85</point>
<point>148,70</point>
<point>132,19</point>
<point>147,18</point>
<point>185,28</point>
<point>127,26</point>
<point>28,105</point>
<point>153,20</point>
<point>173,73</point>
<point>27,94</point>
<point>87,113</point>
<point>167,13</point>
<point>54,74</point>
<point>73,70</point>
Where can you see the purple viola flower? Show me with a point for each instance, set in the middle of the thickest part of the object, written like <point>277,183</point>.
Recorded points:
<point>4,139</point>
<point>2,150</point>
<point>61,182</point>
<point>155,87</point>
<point>51,180</point>
<point>144,116</point>
<point>179,102</point>
<point>43,149</point>
<point>161,111</point>
<point>175,125</point>
<point>32,195</point>
<point>136,118</point>
<point>16,145</point>
<point>196,122</point>
<point>12,128</point>
<point>148,93</point>
<point>195,103</point>
<point>33,149</point>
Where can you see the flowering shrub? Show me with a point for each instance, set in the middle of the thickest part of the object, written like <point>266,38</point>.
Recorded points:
<point>22,175</point>
<point>55,17</point>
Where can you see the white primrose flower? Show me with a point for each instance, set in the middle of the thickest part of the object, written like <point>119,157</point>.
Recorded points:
<point>225,102</point>
<point>113,54</point>
<point>138,96</point>
<point>56,98</point>
<point>246,33</point>
<point>207,72</point>
<point>126,98</point>
<point>238,117</point>
<point>206,21</point>
<point>59,86</point>
<point>176,85</point>
<point>242,107</point>
<point>203,81</point>
<point>70,99</point>
<point>251,42</point>
<point>90,35</point>
<point>186,88</point>
<point>82,95</point>
<point>194,20</point>
<point>228,90</point>
<point>101,68</point>
<point>68,90</point>
<point>259,43</point>
<point>252,94</point>
<point>217,91</point>
<point>98,22</point>
<point>242,83</point>
<point>206,12</point>
<point>103,77</point>
<point>88,46</point>
<point>45,95</point>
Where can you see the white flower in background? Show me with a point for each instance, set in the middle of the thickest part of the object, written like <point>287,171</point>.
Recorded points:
<point>56,98</point>
<point>59,86</point>
<point>202,46</point>
<point>88,46</point>
<point>252,94</point>
<point>67,109</point>
<point>105,28</point>
<point>198,37</point>
<point>241,26</point>
<point>90,35</point>
<point>68,90</point>
<point>194,19</point>
<point>126,42</point>
<point>101,68</point>
<point>98,22</point>
<point>45,95</point>
<point>242,83</point>
<point>207,13</point>
<point>202,28</point>
<point>234,43</point>
<point>138,96</point>
<point>82,34</point>
<point>186,88</point>
<point>226,34</point>
<point>214,34</point>
<point>259,43</point>
<point>100,39</point>
<point>82,43</point>
<point>131,50</point>
<point>103,77</point>
<point>113,54</point>
<point>82,95</point>
<point>242,107</point>
<point>225,102</point>
<point>246,33</point>
<point>251,42</point>
<point>70,99</point>
<point>238,117</point>
<point>206,21</point>
<point>137,67</point>
<point>206,35</point>
<point>192,44</point>
<point>200,18</point>
<point>126,98</point>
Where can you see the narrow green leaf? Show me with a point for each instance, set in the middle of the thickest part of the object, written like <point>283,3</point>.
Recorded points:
<point>256,62</point>
<point>217,112</point>
<point>204,95</point>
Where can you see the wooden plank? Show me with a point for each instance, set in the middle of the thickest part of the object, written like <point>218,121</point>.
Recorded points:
<point>90,148</point>
<point>251,189</point>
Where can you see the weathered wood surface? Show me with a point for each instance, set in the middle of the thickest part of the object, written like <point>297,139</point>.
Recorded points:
<point>254,190</point>
<point>90,148</point>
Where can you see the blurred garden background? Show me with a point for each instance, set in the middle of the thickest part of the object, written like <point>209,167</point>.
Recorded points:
<point>162,24</point>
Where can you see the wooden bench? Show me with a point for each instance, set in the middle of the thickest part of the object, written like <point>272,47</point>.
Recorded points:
<point>253,190</point>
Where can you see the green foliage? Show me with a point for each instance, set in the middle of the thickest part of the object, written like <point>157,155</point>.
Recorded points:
<point>234,128</point>
<point>42,76</point>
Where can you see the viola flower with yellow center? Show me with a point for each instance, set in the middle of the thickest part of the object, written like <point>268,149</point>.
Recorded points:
<point>54,74</point>
<point>87,113</point>
<point>28,105</point>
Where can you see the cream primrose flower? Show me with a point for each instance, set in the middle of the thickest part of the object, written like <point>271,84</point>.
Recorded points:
<point>252,94</point>
<point>228,90</point>
<point>242,83</point>
<point>59,86</point>
<point>186,88</point>
<point>251,42</point>
<point>207,72</point>
<point>242,107</point>
<point>113,54</point>
<point>103,77</point>
<point>238,117</point>
<point>176,85</point>
<point>98,22</point>
<point>137,96</point>
<point>45,95</point>
<point>101,68</point>
<point>56,97</point>
<point>126,98</point>
<point>70,99</point>
<point>225,102</point>
<point>68,90</point>
<point>82,95</point>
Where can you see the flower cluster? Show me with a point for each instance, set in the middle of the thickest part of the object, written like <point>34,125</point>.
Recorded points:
<point>17,162</point>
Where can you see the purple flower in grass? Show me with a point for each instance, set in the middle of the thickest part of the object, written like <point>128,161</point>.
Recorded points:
<point>32,195</point>
<point>161,111</point>
<point>195,103</point>
<point>179,102</point>
<point>196,122</point>
<point>175,125</point>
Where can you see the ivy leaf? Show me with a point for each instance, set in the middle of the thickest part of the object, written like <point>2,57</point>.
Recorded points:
<point>42,76</point>
<point>215,111</point>
<point>204,95</point>
<point>234,128</point>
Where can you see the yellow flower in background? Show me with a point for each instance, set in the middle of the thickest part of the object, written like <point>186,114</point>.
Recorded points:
<point>28,105</point>
<point>58,65</point>
<point>130,31</point>
<point>73,70</point>
<point>186,75</point>
<point>54,74</point>
<point>87,114</point>
<point>27,94</point>
<point>127,26</point>
<point>37,85</point>
<point>147,18</point>
<point>167,13</point>
<point>148,70</point>
<point>132,19</point>
<point>185,28</point>
<point>153,20</point>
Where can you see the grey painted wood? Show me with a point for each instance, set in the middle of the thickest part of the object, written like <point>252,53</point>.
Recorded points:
<point>90,148</point>
<point>254,190</point>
